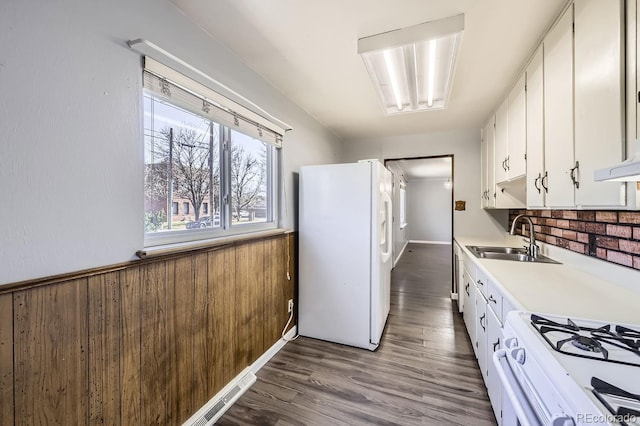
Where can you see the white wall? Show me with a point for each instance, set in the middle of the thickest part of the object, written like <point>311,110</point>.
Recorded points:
<point>399,234</point>
<point>429,210</point>
<point>71,151</point>
<point>465,147</point>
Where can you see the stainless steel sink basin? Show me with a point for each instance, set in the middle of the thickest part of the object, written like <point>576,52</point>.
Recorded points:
<point>484,249</point>
<point>516,254</point>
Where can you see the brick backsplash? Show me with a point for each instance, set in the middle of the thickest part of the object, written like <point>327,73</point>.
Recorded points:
<point>613,236</point>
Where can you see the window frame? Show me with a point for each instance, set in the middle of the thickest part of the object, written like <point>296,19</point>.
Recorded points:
<point>226,228</point>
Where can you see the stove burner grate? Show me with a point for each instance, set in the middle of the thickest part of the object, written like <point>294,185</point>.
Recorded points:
<point>603,390</point>
<point>590,341</point>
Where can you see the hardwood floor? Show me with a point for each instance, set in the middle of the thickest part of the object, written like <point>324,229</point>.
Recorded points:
<point>423,373</point>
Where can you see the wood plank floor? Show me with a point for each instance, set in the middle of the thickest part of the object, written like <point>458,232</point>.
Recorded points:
<point>423,373</point>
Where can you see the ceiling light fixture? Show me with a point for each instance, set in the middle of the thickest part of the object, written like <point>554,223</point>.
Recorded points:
<point>412,68</point>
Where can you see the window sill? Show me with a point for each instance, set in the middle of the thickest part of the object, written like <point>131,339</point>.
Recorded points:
<point>175,248</point>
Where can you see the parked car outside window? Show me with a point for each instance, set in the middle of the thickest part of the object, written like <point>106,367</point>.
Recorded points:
<point>204,222</point>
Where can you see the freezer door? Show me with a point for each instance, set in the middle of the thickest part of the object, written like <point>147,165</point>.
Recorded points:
<point>334,253</point>
<point>381,249</point>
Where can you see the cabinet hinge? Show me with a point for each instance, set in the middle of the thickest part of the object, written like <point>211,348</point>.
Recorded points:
<point>525,156</point>
<point>639,97</point>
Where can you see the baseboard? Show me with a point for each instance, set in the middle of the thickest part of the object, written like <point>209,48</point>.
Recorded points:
<point>395,262</point>
<point>430,242</point>
<point>210,412</point>
<point>265,357</point>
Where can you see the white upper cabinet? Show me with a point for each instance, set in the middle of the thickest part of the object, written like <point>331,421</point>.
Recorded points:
<point>488,179</point>
<point>565,116</point>
<point>517,133</point>
<point>501,141</point>
<point>510,135</point>
<point>558,112</point>
<point>535,132</point>
<point>599,98</point>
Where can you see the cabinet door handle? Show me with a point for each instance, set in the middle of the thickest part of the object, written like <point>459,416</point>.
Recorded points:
<point>466,288</point>
<point>543,182</point>
<point>496,344</point>
<point>491,299</point>
<point>573,174</point>
<point>535,182</point>
<point>481,324</point>
<point>504,164</point>
<point>480,282</point>
<point>508,163</point>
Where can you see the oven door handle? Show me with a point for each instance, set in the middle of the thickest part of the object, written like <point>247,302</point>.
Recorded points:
<point>526,415</point>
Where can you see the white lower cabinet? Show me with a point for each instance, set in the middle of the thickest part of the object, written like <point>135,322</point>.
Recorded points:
<point>494,342</point>
<point>485,309</point>
<point>481,332</point>
<point>469,313</point>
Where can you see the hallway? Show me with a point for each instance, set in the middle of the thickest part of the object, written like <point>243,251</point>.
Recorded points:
<point>423,373</point>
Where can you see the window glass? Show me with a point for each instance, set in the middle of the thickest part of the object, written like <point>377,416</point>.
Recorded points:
<point>403,206</point>
<point>181,166</point>
<point>249,179</point>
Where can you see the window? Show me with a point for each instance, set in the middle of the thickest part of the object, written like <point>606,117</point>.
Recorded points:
<point>403,204</point>
<point>223,167</point>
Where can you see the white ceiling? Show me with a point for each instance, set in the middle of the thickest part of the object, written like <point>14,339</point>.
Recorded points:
<point>307,49</point>
<point>425,168</point>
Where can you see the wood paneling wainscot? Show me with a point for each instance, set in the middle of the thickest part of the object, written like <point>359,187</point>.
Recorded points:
<point>50,354</point>
<point>6,359</point>
<point>146,342</point>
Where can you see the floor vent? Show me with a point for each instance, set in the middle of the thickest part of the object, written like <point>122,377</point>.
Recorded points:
<point>220,403</point>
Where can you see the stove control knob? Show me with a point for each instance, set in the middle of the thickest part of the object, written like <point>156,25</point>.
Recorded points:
<point>511,342</point>
<point>562,420</point>
<point>519,355</point>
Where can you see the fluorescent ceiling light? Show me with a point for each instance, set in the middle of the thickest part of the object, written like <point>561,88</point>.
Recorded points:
<point>412,68</point>
<point>627,171</point>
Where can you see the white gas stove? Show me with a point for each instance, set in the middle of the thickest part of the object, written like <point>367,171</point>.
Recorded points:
<point>570,371</point>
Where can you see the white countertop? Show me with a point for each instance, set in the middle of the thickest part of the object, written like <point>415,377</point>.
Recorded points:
<point>565,289</point>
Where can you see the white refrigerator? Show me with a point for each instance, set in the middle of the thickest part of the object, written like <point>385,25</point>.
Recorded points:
<point>345,252</point>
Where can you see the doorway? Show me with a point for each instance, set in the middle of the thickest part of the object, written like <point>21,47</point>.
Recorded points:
<point>422,203</point>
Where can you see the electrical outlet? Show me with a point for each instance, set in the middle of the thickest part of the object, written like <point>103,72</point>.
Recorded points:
<point>290,306</point>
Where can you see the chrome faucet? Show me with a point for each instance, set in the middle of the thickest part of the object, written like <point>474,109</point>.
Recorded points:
<point>532,248</point>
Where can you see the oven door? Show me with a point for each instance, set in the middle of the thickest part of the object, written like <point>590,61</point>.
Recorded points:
<point>535,398</point>
<point>524,412</point>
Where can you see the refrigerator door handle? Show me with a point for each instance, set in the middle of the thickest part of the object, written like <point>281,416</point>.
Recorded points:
<point>386,253</point>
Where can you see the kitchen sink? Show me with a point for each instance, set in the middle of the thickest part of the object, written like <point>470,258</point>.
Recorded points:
<point>517,254</point>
